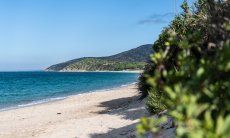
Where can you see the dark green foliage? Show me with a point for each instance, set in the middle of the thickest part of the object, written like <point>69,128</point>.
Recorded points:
<point>134,59</point>
<point>190,71</point>
<point>154,101</point>
<point>92,64</point>
<point>144,87</point>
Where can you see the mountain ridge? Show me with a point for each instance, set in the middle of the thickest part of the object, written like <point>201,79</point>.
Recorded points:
<point>134,59</point>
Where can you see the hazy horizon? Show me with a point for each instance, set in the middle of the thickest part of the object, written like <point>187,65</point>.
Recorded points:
<point>37,34</point>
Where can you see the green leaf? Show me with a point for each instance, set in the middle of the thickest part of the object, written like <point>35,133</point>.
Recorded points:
<point>200,72</point>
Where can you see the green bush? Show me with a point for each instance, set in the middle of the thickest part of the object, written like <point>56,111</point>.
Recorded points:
<point>154,101</point>
<point>190,71</point>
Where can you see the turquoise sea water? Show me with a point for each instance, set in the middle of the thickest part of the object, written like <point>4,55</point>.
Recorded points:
<point>18,89</point>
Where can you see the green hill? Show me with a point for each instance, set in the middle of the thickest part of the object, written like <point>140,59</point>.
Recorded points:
<point>134,59</point>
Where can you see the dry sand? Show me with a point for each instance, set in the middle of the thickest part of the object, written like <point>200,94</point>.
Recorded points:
<point>112,113</point>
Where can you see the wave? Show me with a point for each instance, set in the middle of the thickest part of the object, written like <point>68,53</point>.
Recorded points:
<point>33,103</point>
<point>124,85</point>
<point>42,101</point>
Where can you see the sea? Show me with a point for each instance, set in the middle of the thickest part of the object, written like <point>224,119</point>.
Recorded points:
<point>20,89</point>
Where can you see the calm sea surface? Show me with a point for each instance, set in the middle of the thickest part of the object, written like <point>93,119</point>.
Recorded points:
<point>18,89</point>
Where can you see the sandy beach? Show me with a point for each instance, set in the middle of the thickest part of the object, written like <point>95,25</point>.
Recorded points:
<point>111,113</point>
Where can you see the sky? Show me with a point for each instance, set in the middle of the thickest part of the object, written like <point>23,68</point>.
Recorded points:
<point>35,34</point>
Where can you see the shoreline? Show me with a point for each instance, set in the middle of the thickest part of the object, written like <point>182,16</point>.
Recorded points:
<point>104,71</point>
<point>80,71</point>
<point>97,114</point>
<point>54,99</point>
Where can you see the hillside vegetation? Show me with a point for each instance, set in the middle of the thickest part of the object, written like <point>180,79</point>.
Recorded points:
<point>189,73</point>
<point>134,59</point>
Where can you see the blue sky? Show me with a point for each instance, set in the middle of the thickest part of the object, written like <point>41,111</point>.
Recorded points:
<point>37,33</point>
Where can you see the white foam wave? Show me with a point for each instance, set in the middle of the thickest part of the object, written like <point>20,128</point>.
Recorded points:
<point>41,101</point>
<point>33,103</point>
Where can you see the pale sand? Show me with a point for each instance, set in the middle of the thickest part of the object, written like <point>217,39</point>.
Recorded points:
<point>112,113</point>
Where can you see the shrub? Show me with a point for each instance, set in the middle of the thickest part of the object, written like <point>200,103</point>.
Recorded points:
<point>190,71</point>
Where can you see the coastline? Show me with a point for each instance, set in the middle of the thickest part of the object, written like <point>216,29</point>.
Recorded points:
<point>83,115</point>
<point>123,71</point>
<point>54,99</point>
